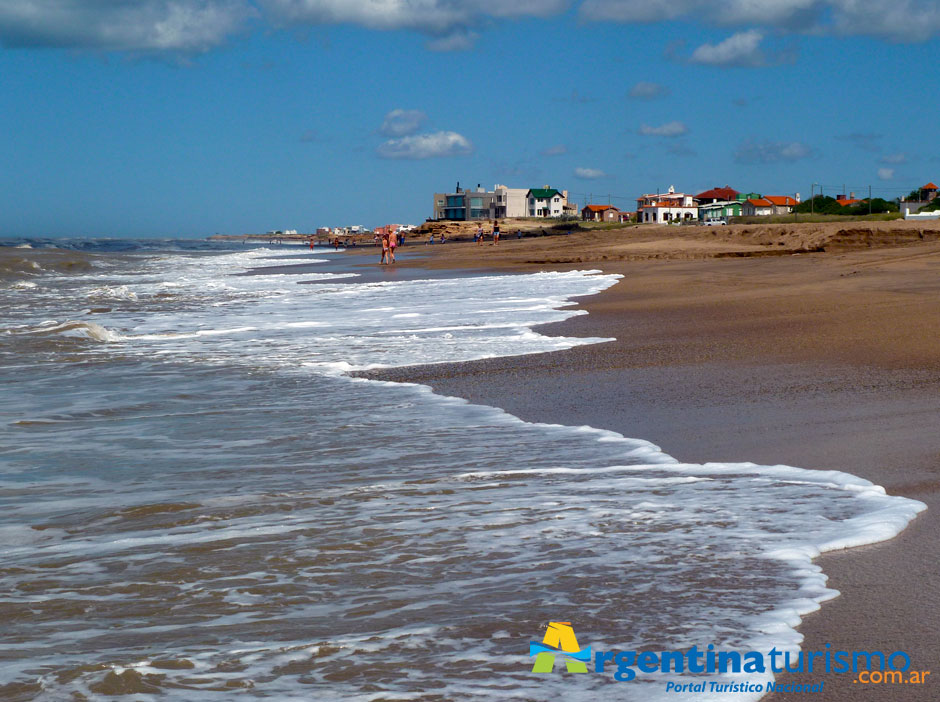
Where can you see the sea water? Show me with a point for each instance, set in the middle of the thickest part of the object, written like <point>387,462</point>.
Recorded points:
<point>197,501</point>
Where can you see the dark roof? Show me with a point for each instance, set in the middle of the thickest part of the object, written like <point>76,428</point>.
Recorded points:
<point>543,193</point>
<point>725,193</point>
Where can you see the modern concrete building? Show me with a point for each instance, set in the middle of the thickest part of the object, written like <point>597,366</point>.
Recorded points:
<point>464,205</point>
<point>510,202</point>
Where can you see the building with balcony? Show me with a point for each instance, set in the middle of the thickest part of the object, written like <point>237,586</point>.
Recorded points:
<point>465,205</point>
<point>510,202</point>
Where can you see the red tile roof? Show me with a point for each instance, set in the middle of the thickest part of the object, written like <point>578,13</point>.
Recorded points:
<point>725,193</point>
<point>761,202</point>
<point>930,186</point>
<point>848,202</point>
<point>600,208</point>
<point>783,200</point>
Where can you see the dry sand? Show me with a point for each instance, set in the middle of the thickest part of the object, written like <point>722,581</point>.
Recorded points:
<point>823,360</point>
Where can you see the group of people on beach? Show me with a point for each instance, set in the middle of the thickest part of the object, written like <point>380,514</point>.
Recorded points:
<point>390,242</point>
<point>481,235</point>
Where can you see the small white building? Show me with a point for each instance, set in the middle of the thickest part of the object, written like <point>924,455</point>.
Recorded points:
<point>546,202</point>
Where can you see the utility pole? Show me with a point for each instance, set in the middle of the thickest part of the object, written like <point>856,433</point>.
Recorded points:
<point>869,201</point>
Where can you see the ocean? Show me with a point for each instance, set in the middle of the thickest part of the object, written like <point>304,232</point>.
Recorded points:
<point>198,501</point>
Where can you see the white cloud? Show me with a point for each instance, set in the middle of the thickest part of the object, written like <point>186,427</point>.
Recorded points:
<point>648,91</point>
<point>422,146</point>
<point>589,173</point>
<point>399,123</point>
<point>122,25</point>
<point>670,129</point>
<point>899,20</point>
<point>772,151</point>
<point>886,173</point>
<point>741,49</point>
<point>556,150</point>
<point>449,25</point>
<point>447,20</point>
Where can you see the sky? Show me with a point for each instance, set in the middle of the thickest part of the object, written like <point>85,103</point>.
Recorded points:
<point>196,117</point>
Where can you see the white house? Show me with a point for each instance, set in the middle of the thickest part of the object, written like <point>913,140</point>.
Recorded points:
<point>546,202</point>
<point>662,208</point>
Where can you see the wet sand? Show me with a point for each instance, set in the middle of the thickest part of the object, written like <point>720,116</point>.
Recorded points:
<point>823,360</point>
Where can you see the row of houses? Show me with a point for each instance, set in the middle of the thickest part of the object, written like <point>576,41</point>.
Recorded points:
<point>502,202</point>
<point>711,206</point>
<point>715,205</point>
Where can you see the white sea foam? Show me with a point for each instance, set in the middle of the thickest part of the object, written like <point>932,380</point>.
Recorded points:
<point>246,508</point>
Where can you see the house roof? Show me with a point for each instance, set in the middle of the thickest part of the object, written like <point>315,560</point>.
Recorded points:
<point>761,202</point>
<point>848,202</point>
<point>725,193</point>
<point>930,186</point>
<point>784,200</point>
<point>668,203</point>
<point>600,208</point>
<point>543,193</point>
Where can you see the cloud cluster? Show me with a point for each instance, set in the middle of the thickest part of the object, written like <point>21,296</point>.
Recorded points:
<point>199,25</point>
<point>898,20</point>
<point>424,146</point>
<point>122,25</point>
<point>753,152</point>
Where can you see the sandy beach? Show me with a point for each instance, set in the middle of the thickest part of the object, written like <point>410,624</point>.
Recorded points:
<point>806,345</point>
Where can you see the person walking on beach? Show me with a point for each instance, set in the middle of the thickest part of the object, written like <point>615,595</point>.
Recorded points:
<point>384,258</point>
<point>392,243</point>
<point>496,233</point>
<point>480,235</point>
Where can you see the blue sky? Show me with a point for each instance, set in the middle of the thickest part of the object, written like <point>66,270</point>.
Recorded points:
<point>191,117</point>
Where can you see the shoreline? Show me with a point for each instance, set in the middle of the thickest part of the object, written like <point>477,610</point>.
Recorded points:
<point>822,361</point>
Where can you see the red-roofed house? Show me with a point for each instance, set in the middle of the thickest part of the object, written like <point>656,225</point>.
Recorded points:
<point>928,192</point>
<point>757,207</point>
<point>724,194</point>
<point>769,205</point>
<point>600,213</point>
